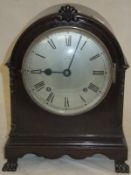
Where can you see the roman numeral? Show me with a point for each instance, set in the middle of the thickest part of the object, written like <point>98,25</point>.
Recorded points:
<point>93,87</point>
<point>38,54</point>
<point>39,85</point>
<point>68,40</point>
<point>51,43</point>
<point>25,70</point>
<point>98,72</point>
<point>94,57</point>
<point>50,97</point>
<point>83,99</point>
<point>66,102</point>
<point>83,45</point>
<point>37,71</point>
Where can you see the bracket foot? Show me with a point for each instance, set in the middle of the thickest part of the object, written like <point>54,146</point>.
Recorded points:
<point>121,167</point>
<point>10,165</point>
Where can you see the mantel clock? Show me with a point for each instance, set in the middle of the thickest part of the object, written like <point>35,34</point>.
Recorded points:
<point>67,75</point>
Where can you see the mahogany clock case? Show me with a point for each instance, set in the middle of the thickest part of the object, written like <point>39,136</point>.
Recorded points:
<point>34,130</point>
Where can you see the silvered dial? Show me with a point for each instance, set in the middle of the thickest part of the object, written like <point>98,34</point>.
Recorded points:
<point>67,71</point>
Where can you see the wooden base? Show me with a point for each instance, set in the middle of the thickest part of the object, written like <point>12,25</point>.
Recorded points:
<point>113,148</point>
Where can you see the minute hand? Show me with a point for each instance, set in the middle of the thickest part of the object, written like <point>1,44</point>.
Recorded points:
<point>75,52</point>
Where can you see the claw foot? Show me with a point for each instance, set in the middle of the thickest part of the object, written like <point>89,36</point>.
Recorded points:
<point>10,166</point>
<point>121,167</point>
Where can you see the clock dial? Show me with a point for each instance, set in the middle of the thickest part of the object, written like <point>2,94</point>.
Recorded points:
<point>67,71</point>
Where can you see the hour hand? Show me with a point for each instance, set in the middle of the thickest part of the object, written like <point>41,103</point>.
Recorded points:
<point>47,71</point>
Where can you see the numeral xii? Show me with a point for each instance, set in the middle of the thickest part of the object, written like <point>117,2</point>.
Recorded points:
<point>68,40</point>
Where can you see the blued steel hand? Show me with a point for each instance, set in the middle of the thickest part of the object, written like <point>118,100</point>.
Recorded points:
<point>74,53</point>
<point>49,71</point>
